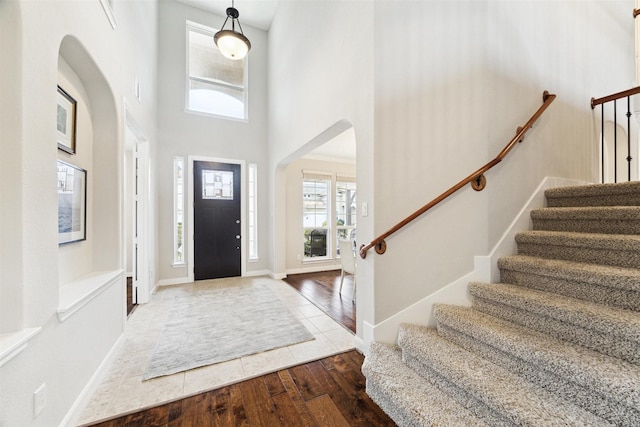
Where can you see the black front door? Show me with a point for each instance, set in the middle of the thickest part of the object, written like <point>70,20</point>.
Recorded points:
<point>216,207</point>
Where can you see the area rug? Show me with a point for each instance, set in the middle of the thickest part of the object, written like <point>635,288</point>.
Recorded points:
<point>220,324</point>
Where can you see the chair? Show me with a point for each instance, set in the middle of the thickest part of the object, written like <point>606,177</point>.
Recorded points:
<point>348,259</point>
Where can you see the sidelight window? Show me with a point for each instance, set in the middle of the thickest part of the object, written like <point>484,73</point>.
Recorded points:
<point>178,210</point>
<point>253,212</point>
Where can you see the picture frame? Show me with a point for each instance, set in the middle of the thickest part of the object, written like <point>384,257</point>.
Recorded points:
<point>72,203</point>
<point>66,122</point>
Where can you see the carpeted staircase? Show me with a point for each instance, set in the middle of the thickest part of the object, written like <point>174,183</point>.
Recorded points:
<point>557,343</point>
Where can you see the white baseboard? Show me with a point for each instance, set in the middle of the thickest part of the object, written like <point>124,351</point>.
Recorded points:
<point>485,270</point>
<point>507,244</point>
<point>314,268</point>
<point>75,412</point>
<point>256,273</point>
<point>277,276</point>
<point>359,344</point>
<point>174,281</point>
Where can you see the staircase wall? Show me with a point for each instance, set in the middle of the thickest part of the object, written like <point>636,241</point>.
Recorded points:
<point>485,269</point>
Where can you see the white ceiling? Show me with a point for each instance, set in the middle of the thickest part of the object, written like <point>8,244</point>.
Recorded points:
<point>257,13</point>
<point>342,148</point>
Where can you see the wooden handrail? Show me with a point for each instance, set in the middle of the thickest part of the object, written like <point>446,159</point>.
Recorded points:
<point>612,97</point>
<point>476,179</point>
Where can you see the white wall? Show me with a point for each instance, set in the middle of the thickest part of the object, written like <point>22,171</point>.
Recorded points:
<point>449,103</point>
<point>76,259</point>
<point>184,134</point>
<point>449,82</point>
<point>295,230</point>
<point>321,83</point>
<point>63,355</point>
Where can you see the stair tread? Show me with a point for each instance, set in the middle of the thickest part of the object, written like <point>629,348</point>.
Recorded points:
<point>608,375</point>
<point>597,274</point>
<point>415,400</point>
<point>502,391</point>
<point>594,190</point>
<point>588,212</point>
<point>616,321</point>
<point>575,239</point>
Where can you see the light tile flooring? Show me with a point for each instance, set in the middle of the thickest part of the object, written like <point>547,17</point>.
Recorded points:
<point>123,390</point>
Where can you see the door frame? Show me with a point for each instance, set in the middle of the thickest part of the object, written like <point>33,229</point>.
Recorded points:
<point>141,218</point>
<point>190,211</point>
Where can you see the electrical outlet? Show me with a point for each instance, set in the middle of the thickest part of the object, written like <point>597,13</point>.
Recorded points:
<point>299,257</point>
<point>39,399</point>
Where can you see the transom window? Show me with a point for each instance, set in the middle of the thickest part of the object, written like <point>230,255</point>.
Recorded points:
<point>216,85</point>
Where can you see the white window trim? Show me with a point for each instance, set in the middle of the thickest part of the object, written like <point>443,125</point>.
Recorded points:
<point>341,178</point>
<point>252,211</point>
<point>176,262</point>
<point>211,31</point>
<point>330,244</point>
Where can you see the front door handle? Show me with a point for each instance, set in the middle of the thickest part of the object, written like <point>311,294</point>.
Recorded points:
<point>238,236</point>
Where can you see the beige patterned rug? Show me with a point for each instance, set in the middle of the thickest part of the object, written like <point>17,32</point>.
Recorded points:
<point>216,325</point>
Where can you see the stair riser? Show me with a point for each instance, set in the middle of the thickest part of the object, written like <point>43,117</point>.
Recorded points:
<point>389,407</point>
<point>604,343</point>
<point>632,199</point>
<point>407,397</point>
<point>601,226</point>
<point>554,382</point>
<point>460,394</point>
<point>591,255</point>
<point>487,390</point>
<point>575,289</point>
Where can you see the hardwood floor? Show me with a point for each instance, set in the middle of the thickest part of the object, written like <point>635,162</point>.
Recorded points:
<point>328,392</point>
<point>130,305</point>
<point>322,289</point>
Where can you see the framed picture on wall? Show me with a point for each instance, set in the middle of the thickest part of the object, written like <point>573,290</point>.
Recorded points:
<point>66,122</point>
<point>72,203</point>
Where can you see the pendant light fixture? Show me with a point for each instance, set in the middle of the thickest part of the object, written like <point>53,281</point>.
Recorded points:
<point>232,44</point>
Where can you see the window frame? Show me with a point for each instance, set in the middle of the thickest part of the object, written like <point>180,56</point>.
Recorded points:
<point>329,179</point>
<point>252,213</point>
<point>209,32</point>
<point>178,232</point>
<point>345,180</point>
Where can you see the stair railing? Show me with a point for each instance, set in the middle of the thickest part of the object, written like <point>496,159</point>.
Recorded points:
<point>613,100</point>
<point>477,180</point>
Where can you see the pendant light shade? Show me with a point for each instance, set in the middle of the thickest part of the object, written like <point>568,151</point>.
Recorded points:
<point>232,44</point>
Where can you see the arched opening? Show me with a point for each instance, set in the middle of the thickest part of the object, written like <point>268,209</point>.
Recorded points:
<point>96,150</point>
<point>315,191</point>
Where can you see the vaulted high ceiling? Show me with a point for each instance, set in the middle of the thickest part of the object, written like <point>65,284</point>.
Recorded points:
<point>257,13</point>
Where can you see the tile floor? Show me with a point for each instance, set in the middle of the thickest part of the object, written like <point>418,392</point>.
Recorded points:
<point>124,391</point>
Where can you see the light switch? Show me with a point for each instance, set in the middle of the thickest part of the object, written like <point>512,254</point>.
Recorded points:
<point>365,209</point>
